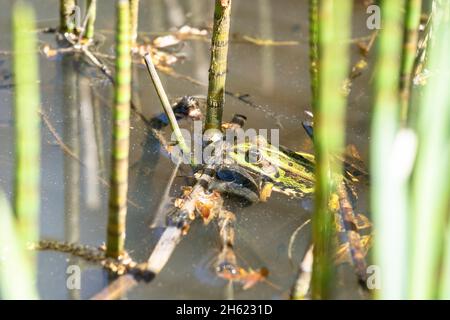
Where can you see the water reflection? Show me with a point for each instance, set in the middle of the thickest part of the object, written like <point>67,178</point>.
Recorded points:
<point>70,110</point>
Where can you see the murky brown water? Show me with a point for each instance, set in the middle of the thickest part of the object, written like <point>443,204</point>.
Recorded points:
<point>77,100</point>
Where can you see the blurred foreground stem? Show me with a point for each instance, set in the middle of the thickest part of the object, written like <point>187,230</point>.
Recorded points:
<point>430,185</point>
<point>410,40</point>
<point>27,125</point>
<point>329,137</point>
<point>388,191</point>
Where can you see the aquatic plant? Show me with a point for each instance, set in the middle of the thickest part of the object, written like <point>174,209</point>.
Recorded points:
<point>218,66</point>
<point>389,212</point>
<point>430,186</point>
<point>329,137</point>
<point>410,157</point>
<point>17,277</point>
<point>26,125</point>
<point>134,19</point>
<point>92,12</point>
<point>410,41</point>
<point>66,11</point>
<point>121,135</point>
<point>314,51</point>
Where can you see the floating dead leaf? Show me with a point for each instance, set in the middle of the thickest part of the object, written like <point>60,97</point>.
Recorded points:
<point>166,41</point>
<point>187,30</point>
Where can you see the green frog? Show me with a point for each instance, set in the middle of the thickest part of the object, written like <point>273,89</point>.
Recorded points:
<point>253,169</point>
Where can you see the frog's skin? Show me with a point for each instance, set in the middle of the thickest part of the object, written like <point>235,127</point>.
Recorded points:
<point>288,172</point>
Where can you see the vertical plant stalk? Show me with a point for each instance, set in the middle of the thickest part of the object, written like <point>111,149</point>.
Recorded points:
<point>410,41</point>
<point>390,245</point>
<point>334,32</point>
<point>92,12</point>
<point>134,21</point>
<point>218,65</point>
<point>121,135</point>
<point>27,126</point>
<point>314,50</point>
<point>430,184</point>
<point>66,10</point>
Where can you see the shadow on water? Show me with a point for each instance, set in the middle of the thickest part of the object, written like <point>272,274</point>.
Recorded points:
<point>77,99</point>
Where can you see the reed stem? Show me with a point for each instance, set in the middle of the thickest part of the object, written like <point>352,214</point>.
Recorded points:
<point>334,32</point>
<point>314,50</point>
<point>134,23</point>
<point>389,248</point>
<point>410,41</point>
<point>218,65</point>
<point>121,135</point>
<point>27,125</point>
<point>66,11</point>
<point>430,183</point>
<point>92,12</point>
<point>17,277</point>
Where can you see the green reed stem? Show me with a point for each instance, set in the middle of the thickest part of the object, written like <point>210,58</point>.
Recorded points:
<point>218,67</point>
<point>329,137</point>
<point>121,135</point>
<point>92,7</point>
<point>66,11</point>
<point>389,249</point>
<point>430,185</point>
<point>27,125</point>
<point>314,50</point>
<point>410,41</point>
<point>17,279</point>
<point>134,17</point>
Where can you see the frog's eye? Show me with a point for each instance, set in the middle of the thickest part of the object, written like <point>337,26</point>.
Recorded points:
<point>253,156</point>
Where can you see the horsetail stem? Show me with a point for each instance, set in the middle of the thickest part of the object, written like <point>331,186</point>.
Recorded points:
<point>121,135</point>
<point>410,40</point>
<point>218,67</point>
<point>66,11</point>
<point>430,190</point>
<point>92,12</point>
<point>329,116</point>
<point>27,125</point>
<point>385,118</point>
<point>314,50</point>
<point>134,21</point>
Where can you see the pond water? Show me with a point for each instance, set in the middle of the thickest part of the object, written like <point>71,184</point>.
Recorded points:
<point>77,98</point>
